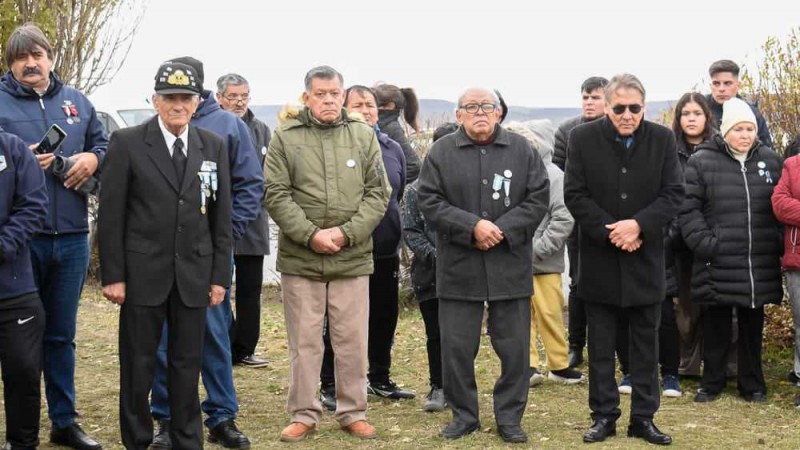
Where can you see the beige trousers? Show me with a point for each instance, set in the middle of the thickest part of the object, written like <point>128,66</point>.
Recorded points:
<point>547,317</point>
<point>304,305</point>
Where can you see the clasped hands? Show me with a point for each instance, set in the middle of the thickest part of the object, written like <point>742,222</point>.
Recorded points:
<point>328,241</point>
<point>625,234</point>
<point>486,235</point>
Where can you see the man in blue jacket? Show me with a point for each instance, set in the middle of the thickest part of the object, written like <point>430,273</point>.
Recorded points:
<point>32,98</point>
<point>247,188</point>
<point>23,208</point>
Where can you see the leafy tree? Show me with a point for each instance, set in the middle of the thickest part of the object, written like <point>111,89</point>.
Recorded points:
<point>775,86</point>
<point>91,38</point>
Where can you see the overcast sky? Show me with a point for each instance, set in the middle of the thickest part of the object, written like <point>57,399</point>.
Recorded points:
<point>536,53</point>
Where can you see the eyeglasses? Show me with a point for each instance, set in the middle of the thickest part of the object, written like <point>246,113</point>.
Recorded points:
<point>236,98</point>
<point>620,109</point>
<point>472,108</point>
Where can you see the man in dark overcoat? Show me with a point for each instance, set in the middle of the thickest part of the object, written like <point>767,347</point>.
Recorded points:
<point>623,183</point>
<point>484,191</point>
<point>165,247</point>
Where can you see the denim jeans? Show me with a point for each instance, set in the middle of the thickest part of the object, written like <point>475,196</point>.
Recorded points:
<point>217,369</point>
<point>59,267</point>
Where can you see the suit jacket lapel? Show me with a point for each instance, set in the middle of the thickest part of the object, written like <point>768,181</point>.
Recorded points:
<point>194,160</point>
<point>159,153</point>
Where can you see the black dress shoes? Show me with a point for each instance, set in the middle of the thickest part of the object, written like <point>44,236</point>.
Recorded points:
<point>755,397</point>
<point>512,434</point>
<point>575,358</point>
<point>227,435</point>
<point>600,430</point>
<point>161,440</point>
<point>73,437</point>
<point>457,430</point>
<point>647,430</point>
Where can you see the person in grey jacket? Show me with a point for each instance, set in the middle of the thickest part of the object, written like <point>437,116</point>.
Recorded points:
<point>549,242</point>
<point>233,94</point>
<point>484,191</point>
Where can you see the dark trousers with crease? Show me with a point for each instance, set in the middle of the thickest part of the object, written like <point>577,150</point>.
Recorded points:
<point>577,311</point>
<point>510,333</point>
<point>139,334</point>
<point>643,323</point>
<point>668,341</point>
<point>717,323</point>
<point>247,324</point>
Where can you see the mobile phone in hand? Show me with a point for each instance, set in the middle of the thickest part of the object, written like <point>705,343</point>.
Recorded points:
<point>51,140</point>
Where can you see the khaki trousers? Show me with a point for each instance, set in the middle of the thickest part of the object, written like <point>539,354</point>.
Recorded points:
<point>547,317</point>
<point>304,303</point>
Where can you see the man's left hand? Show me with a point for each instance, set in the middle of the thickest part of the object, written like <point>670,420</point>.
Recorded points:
<point>85,166</point>
<point>337,236</point>
<point>215,295</point>
<point>624,233</point>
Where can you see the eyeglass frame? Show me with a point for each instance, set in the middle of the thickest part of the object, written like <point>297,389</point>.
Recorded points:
<point>481,107</point>
<point>620,109</point>
<point>237,99</point>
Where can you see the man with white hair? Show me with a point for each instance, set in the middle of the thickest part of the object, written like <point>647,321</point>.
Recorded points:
<point>483,256</point>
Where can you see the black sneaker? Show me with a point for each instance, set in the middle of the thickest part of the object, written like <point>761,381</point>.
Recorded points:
<point>566,376</point>
<point>327,396</point>
<point>793,378</point>
<point>388,389</point>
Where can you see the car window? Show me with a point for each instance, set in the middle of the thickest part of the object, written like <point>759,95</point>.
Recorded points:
<point>108,123</point>
<point>136,116</point>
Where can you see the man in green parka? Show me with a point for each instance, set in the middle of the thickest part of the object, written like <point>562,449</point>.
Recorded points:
<point>326,189</point>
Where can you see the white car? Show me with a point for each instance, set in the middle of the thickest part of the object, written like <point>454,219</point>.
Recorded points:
<point>115,117</point>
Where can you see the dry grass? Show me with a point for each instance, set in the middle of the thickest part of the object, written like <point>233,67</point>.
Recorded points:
<point>556,416</point>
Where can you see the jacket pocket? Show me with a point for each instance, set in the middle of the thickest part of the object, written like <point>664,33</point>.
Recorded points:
<point>134,245</point>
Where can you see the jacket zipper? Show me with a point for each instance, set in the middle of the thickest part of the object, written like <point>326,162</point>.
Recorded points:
<point>54,203</point>
<point>749,239</point>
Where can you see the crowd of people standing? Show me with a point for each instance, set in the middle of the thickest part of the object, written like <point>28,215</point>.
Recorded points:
<point>676,240</point>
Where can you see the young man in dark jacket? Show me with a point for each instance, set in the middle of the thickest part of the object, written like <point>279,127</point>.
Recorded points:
<point>623,185</point>
<point>233,95</point>
<point>32,98</point>
<point>23,208</point>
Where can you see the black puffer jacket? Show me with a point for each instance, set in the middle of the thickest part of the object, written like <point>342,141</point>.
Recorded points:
<point>389,123</point>
<point>674,246</point>
<point>727,221</point>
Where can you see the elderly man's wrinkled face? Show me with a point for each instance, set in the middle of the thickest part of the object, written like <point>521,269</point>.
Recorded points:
<point>175,110</point>
<point>593,104</point>
<point>625,110</point>
<point>479,113</point>
<point>235,99</point>
<point>325,99</point>
<point>32,68</point>
<point>724,86</point>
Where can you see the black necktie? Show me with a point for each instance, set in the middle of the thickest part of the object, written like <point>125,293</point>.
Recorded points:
<point>179,159</point>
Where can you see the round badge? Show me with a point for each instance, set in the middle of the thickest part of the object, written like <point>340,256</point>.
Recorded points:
<point>351,163</point>
<point>762,164</point>
<point>263,150</point>
<point>761,172</point>
<point>507,173</point>
<point>70,121</point>
<point>496,196</point>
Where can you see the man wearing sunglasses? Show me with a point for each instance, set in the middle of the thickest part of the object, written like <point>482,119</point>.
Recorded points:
<point>622,185</point>
<point>484,254</point>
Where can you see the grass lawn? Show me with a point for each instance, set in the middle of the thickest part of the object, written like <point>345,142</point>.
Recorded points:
<point>556,416</point>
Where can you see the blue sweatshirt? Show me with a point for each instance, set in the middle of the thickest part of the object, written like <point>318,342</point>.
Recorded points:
<point>28,116</point>
<point>23,207</point>
<point>387,235</point>
<point>247,178</point>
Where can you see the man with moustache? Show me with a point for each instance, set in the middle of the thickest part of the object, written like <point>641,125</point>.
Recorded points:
<point>484,190</point>
<point>165,248</point>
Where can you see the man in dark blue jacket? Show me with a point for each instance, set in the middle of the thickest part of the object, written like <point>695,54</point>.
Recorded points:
<point>23,208</point>
<point>247,188</point>
<point>32,98</point>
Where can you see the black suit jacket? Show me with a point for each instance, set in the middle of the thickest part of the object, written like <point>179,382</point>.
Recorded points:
<point>151,231</point>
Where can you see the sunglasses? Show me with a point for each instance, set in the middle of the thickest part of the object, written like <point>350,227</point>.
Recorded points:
<point>620,109</point>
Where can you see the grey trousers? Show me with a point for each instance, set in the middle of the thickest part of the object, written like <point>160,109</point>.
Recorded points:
<point>509,330</point>
<point>793,285</point>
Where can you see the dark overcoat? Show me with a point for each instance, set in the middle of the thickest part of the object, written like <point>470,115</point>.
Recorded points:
<point>455,192</point>
<point>606,182</point>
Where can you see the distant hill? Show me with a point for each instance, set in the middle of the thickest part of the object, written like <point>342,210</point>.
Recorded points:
<point>434,112</point>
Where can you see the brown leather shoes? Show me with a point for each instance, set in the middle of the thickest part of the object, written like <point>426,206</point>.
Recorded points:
<point>361,429</point>
<point>296,431</point>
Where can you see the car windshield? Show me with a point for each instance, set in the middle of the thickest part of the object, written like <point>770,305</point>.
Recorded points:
<point>136,116</point>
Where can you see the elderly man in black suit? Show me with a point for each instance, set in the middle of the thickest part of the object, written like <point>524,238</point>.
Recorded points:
<point>165,244</point>
<point>623,184</point>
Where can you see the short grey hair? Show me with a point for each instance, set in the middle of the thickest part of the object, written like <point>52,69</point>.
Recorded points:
<point>495,98</point>
<point>623,81</point>
<point>324,73</point>
<point>230,79</point>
